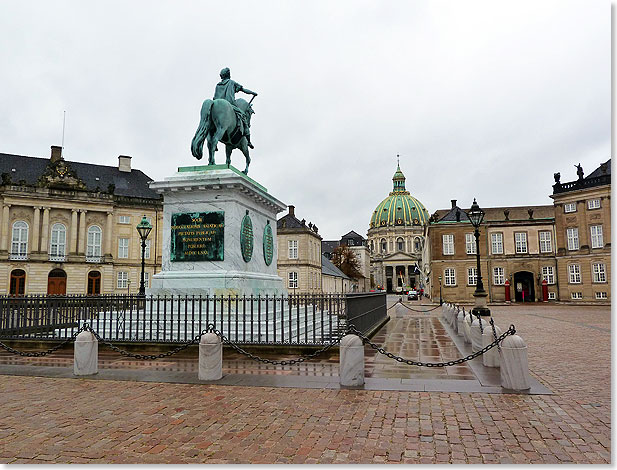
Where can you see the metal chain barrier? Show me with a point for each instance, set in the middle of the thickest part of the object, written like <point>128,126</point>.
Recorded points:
<point>366,340</point>
<point>42,353</point>
<point>495,333</point>
<point>407,307</point>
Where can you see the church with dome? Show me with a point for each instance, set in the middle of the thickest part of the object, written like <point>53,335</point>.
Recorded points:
<point>396,239</point>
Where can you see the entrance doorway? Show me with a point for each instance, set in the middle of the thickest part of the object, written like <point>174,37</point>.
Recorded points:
<point>18,282</point>
<point>94,283</point>
<point>56,282</point>
<point>524,287</point>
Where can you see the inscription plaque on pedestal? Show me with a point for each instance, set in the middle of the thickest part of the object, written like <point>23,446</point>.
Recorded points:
<point>197,236</point>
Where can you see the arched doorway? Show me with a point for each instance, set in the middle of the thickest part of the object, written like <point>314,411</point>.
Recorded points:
<point>524,287</point>
<point>18,282</point>
<point>94,283</point>
<point>56,282</point>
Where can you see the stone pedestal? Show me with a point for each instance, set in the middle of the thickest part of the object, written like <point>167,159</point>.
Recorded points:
<point>210,357</point>
<point>85,354</point>
<point>351,370</point>
<point>219,234</point>
<point>514,365</point>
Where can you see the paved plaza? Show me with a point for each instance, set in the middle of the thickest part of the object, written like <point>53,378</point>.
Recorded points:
<point>64,420</point>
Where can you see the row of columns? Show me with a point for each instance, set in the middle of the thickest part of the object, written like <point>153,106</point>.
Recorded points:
<point>40,232</point>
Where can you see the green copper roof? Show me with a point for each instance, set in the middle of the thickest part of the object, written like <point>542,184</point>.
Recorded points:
<point>399,208</point>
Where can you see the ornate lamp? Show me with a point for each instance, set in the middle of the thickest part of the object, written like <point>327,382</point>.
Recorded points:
<point>143,229</point>
<point>476,216</point>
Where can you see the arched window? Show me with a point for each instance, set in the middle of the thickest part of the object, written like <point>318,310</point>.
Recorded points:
<point>19,242</point>
<point>94,242</point>
<point>384,245</point>
<point>57,242</point>
<point>400,244</point>
<point>417,244</point>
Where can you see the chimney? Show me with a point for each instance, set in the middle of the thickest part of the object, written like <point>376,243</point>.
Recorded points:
<point>124,163</point>
<point>292,211</point>
<point>56,153</point>
<point>453,201</point>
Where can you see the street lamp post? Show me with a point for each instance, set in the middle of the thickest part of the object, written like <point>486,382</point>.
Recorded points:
<point>440,298</point>
<point>143,229</point>
<point>476,216</point>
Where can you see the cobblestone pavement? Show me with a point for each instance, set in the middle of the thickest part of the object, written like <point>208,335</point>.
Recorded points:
<point>47,420</point>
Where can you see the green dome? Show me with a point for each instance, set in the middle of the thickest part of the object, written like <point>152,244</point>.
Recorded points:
<point>399,208</point>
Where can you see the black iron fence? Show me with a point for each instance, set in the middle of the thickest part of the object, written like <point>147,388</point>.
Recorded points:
<point>288,319</point>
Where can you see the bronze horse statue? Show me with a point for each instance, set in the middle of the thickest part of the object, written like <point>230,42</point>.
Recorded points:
<point>219,123</point>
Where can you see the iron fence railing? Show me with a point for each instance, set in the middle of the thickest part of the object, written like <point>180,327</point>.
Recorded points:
<point>286,319</point>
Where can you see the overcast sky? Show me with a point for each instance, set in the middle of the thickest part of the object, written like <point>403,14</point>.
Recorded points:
<point>481,99</point>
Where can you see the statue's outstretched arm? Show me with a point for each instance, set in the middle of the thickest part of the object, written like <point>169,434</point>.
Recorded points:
<point>248,92</point>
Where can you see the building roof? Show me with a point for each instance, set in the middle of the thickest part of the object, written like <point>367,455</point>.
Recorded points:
<point>96,178</point>
<point>498,214</point>
<point>352,234</point>
<point>400,208</point>
<point>604,169</point>
<point>328,246</point>
<point>290,222</point>
<point>601,176</point>
<point>329,269</point>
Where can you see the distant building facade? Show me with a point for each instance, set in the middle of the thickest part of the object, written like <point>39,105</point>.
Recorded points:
<point>396,237</point>
<point>69,227</point>
<point>357,244</point>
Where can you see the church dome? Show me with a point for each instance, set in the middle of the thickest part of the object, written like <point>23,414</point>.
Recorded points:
<point>399,209</point>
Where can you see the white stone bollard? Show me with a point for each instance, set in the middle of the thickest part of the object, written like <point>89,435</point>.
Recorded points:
<point>476,333</point>
<point>351,365</point>
<point>210,357</point>
<point>444,310</point>
<point>467,329</point>
<point>459,323</point>
<point>454,322</point>
<point>491,357</point>
<point>85,354</point>
<point>514,365</point>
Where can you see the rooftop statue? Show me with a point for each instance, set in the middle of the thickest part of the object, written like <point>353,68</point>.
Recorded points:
<point>225,119</point>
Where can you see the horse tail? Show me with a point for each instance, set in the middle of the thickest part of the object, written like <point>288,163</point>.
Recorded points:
<point>202,130</point>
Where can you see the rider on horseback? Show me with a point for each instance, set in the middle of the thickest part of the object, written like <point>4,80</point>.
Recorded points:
<point>226,89</point>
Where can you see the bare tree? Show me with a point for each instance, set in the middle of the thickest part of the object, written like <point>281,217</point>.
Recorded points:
<point>346,260</point>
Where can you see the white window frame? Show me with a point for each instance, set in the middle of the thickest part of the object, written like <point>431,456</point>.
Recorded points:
<point>57,241</point>
<point>449,276</point>
<point>146,279</point>
<point>597,238</point>
<point>292,249</point>
<point>447,242</point>
<point>601,296</point>
<point>470,243</point>
<point>93,249</point>
<point>19,240</point>
<point>598,271</point>
<point>552,296</point>
<point>548,273</point>
<point>569,207</point>
<point>499,276</point>
<point>123,248</point>
<point>572,238</point>
<point>472,276</point>
<point>520,242</point>
<point>576,295</point>
<point>147,250</point>
<point>122,280</point>
<point>124,219</point>
<point>546,241</point>
<point>574,273</point>
<point>293,280</point>
<point>593,204</point>
<point>497,243</point>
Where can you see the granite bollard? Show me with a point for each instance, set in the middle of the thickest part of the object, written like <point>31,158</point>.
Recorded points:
<point>85,354</point>
<point>210,357</point>
<point>514,365</point>
<point>491,357</point>
<point>351,365</point>
<point>467,329</point>
<point>477,327</point>
<point>460,319</point>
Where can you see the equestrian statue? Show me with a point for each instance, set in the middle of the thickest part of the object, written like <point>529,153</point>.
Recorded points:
<point>225,119</point>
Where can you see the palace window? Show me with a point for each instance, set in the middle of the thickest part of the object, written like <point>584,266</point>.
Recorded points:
<point>552,296</point>
<point>548,273</point>
<point>569,207</point>
<point>147,251</point>
<point>470,244</point>
<point>546,243</point>
<point>576,295</point>
<point>449,275</point>
<point>146,279</point>
<point>19,240</point>
<point>520,242</point>
<point>384,246</point>
<point>123,280</point>
<point>593,204</point>
<point>293,249</point>
<point>499,277</point>
<point>601,295</point>
<point>597,239</point>
<point>599,272</point>
<point>497,243</point>
<point>93,248</point>
<point>57,242</point>
<point>293,280</point>
<point>448,244</point>
<point>417,245</point>
<point>124,219</point>
<point>572,236</point>
<point>400,244</point>
<point>123,247</point>
<point>574,272</point>
<point>472,276</point>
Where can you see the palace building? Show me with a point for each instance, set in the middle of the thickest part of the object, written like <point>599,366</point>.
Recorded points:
<point>396,237</point>
<point>69,227</point>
